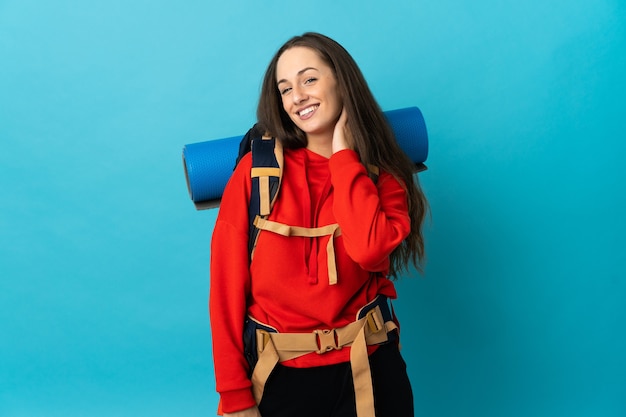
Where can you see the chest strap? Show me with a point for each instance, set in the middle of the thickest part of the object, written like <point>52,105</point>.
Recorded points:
<point>331,230</point>
<point>279,347</point>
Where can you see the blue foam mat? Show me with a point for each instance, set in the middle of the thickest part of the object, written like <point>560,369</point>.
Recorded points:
<point>208,165</point>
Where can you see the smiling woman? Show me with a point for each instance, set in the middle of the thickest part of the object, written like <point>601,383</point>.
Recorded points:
<point>310,97</point>
<point>313,301</point>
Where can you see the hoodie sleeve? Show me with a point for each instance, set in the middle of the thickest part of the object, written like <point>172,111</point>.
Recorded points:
<point>229,290</point>
<point>374,218</point>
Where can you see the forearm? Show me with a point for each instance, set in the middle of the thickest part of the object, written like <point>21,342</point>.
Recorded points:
<point>373,217</point>
<point>229,291</point>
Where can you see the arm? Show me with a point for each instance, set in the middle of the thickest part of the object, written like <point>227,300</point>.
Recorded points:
<point>230,287</point>
<point>374,218</point>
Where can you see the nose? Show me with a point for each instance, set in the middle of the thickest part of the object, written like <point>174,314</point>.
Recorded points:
<point>298,94</point>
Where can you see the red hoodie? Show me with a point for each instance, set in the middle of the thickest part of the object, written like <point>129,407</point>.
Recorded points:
<point>286,285</point>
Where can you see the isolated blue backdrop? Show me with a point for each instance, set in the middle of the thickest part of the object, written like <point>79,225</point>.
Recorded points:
<point>104,275</point>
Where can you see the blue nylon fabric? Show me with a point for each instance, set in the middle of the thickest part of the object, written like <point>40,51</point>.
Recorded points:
<point>262,156</point>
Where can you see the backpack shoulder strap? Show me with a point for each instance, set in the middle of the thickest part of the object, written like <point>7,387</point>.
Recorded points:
<point>266,174</point>
<point>246,141</point>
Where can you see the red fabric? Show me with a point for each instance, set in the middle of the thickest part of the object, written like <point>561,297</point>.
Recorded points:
<point>289,288</point>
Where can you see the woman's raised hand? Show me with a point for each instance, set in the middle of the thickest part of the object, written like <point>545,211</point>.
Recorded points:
<point>341,134</point>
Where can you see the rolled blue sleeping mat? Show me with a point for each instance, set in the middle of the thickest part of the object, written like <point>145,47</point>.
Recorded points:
<point>208,165</point>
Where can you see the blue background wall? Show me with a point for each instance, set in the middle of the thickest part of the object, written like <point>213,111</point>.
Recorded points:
<point>104,261</point>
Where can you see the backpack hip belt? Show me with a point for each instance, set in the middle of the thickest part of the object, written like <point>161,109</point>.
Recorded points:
<point>371,328</point>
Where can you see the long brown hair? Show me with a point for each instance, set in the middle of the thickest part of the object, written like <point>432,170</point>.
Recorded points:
<point>371,135</point>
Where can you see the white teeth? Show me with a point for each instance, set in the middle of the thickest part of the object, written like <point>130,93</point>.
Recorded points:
<point>307,110</point>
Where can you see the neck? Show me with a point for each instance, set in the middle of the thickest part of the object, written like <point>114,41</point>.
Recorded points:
<point>321,145</point>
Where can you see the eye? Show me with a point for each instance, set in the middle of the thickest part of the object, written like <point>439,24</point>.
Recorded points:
<point>310,80</point>
<point>285,91</point>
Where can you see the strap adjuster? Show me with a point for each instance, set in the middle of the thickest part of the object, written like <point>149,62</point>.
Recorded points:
<point>263,338</point>
<point>326,341</point>
<point>373,320</point>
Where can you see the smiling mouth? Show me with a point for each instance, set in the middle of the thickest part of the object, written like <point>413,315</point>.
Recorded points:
<point>308,110</point>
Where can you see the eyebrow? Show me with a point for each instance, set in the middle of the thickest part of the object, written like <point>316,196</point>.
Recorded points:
<point>302,71</point>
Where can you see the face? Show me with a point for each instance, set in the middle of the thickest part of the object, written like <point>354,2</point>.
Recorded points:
<point>308,88</point>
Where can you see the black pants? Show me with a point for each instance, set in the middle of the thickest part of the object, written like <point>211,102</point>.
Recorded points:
<point>328,391</point>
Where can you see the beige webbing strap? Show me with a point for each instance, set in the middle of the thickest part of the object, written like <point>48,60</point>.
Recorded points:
<point>263,368</point>
<point>363,389</point>
<point>331,230</point>
<point>263,173</point>
<point>373,169</point>
<point>279,347</point>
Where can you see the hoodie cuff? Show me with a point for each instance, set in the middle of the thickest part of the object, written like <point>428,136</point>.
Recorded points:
<point>232,401</point>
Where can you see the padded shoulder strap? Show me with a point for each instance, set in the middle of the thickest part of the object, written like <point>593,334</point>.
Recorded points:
<point>246,141</point>
<point>266,173</point>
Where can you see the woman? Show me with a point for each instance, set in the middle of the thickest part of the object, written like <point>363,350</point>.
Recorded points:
<point>330,287</point>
